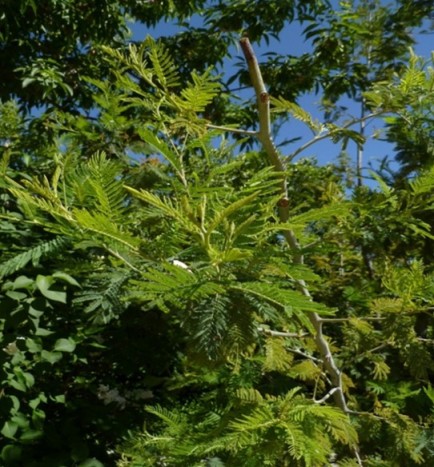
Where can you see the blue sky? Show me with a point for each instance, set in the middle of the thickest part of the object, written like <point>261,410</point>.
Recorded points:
<point>292,43</point>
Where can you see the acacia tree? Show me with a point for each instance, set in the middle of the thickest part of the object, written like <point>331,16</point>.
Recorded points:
<point>233,294</point>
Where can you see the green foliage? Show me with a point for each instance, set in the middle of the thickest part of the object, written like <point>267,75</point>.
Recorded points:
<point>410,129</point>
<point>277,429</point>
<point>88,199</point>
<point>151,311</point>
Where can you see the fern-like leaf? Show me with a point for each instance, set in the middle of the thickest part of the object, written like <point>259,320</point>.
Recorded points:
<point>102,298</point>
<point>249,395</point>
<point>298,222</point>
<point>162,148</point>
<point>209,324</point>
<point>172,285</point>
<point>172,418</point>
<point>105,229</point>
<point>283,105</point>
<point>277,358</point>
<point>247,426</point>
<point>198,94</point>
<point>163,65</point>
<point>33,255</point>
<point>282,298</point>
<point>424,182</point>
<point>95,185</point>
<point>166,207</point>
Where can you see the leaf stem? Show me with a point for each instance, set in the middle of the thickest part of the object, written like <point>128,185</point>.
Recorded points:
<point>363,318</point>
<point>270,332</point>
<point>232,130</point>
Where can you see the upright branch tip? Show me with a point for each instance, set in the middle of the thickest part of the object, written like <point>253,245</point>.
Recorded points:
<point>246,46</point>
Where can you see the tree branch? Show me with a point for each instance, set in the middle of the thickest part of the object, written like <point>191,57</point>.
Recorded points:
<point>272,333</point>
<point>263,104</point>
<point>264,136</point>
<point>428,341</point>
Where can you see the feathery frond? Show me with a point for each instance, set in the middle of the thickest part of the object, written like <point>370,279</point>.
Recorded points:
<point>163,65</point>
<point>33,255</point>
<point>199,93</point>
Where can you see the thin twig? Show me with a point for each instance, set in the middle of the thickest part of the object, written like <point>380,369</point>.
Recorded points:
<point>282,333</point>
<point>368,414</point>
<point>232,130</point>
<point>330,133</point>
<point>362,318</point>
<point>304,355</point>
<point>359,161</point>
<point>376,349</point>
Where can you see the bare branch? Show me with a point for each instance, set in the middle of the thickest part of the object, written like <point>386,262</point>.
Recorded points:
<point>305,355</point>
<point>263,103</point>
